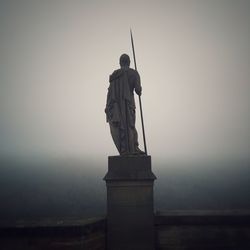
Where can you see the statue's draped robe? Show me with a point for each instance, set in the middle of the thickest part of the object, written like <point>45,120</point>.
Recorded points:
<point>120,109</point>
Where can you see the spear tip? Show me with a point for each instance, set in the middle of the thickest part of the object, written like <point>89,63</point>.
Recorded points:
<point>131,31</point>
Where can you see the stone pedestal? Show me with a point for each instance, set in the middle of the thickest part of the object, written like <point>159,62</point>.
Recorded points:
<point>130,212</point>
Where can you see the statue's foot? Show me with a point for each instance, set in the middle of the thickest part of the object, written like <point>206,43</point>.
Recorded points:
<point>139,152</point>
<point>136,152</point>
<point>125,153</point>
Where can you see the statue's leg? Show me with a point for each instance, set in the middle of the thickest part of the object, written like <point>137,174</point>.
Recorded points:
<point>118,136</point>
<point>115,133</point>
<point>135,139</point>
<point>133,132</point>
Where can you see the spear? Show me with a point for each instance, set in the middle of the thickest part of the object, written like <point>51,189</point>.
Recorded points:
<point>142,123</point>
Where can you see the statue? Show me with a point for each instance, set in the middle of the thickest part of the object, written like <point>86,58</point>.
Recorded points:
<point>120,107</point>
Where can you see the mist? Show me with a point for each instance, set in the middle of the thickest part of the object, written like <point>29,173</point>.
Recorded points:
<point>69,188</point>
<point>193,58</point>
<point>56,58</point>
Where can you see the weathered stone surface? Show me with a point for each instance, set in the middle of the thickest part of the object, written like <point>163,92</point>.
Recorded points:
<point>120,107</point>
<point>203,229</point>
<point>130,212</point>
<point>175,230</point>
<point>129,168</point>
<point>49,234</point>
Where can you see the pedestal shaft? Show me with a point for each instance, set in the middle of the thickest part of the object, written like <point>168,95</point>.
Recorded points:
<point>130,212</point>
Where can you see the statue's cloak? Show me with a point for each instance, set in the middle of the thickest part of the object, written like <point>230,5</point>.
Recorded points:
<point>120,108</point>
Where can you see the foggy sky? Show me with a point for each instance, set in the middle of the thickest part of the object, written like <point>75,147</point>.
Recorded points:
<point>193,58</point>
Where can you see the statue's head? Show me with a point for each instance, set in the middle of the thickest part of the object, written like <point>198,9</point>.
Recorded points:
<point>124,60</point>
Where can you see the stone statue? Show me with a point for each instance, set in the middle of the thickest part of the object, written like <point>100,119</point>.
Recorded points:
<point>120,107</point>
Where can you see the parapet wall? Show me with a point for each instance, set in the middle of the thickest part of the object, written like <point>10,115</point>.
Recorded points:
<point>175,230</point>
<point>49,234</point>
<point>206,230</point>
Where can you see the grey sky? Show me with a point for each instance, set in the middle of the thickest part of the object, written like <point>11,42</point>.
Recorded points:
<point>193,58</point>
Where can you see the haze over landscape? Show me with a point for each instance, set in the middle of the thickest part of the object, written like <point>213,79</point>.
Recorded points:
<point>56,57</point>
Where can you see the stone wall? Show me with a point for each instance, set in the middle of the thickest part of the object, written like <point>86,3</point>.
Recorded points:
<point>175,230</point>
<point>51,234</point>
<point>206,230</point>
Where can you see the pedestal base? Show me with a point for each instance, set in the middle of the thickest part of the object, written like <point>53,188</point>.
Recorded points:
<point>130,213</point>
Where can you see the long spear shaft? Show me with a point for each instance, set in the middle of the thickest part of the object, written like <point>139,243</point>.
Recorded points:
<point>142,123</point>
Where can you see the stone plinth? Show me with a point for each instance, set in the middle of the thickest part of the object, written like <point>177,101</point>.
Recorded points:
<point>130,211</point>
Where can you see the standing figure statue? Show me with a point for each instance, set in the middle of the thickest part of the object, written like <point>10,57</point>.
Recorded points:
<point>120,107</point>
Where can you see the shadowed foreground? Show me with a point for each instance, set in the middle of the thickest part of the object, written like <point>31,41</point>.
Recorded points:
<point>186,229</point>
